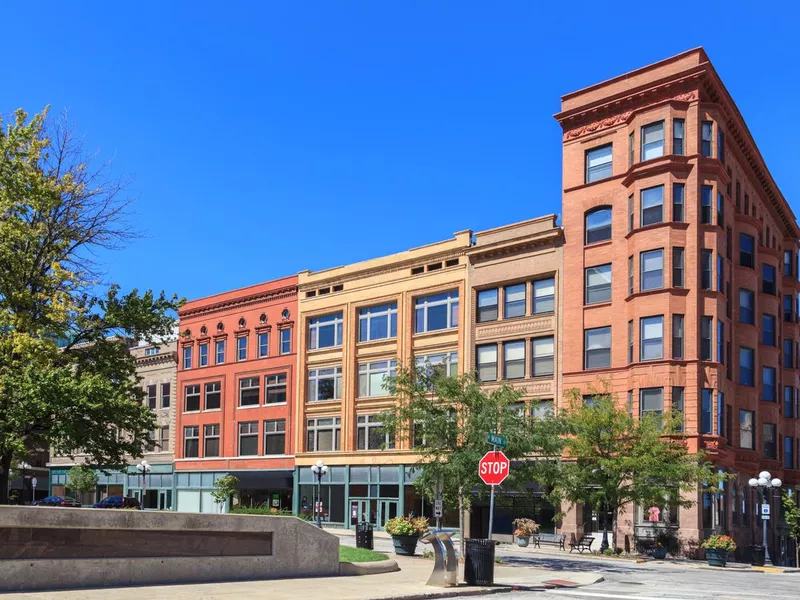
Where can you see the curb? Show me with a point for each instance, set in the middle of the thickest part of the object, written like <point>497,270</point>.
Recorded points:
<point>368,568</point>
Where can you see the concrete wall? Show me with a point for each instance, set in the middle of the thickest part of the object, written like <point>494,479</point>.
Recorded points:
<point>43,548</point>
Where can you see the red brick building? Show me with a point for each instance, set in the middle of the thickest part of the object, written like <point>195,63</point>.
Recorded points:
<point>688,299</point>
<point>236,374</point>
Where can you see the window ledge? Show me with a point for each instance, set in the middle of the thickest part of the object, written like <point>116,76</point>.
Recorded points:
<point>323,402</point>
<point>191,412</point>
<point>423,334</point>
<point>268,404</point>
<point>597,304</point>
<point>367,343</point>
<point>599,244</point>
<point>671,290</point>
<point>325,349</point>
<point>249,406</point>
<point>675,224</point>
<point>212,410</point>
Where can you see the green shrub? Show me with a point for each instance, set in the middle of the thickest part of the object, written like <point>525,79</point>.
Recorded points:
<point>271,512</point>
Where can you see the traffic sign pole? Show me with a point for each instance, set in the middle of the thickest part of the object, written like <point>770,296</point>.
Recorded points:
<point>493,469</point>
<point>491,505</point>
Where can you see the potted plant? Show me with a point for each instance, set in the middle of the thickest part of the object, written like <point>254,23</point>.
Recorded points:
<point>658,551</point>
<point>525,528</point>
<point>717,547</point>
<point>405,532</point>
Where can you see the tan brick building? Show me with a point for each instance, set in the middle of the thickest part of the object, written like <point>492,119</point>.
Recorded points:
<point>683,294</point>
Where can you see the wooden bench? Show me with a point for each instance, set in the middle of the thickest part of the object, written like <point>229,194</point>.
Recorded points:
<point>552,539</point>
<point>581,546</point>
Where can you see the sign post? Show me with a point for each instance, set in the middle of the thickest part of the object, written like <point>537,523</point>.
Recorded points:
<point>33,493</point>
<point>493,468</point>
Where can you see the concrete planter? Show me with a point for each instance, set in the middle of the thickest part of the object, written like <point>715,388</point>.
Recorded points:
<point>405,545</point>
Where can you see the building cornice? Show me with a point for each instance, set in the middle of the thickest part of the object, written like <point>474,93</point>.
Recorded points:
<point>157,359</point>
<point>515,246</point>
<point>284,293</point>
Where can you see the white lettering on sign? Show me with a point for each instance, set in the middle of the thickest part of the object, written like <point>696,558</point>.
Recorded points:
<point>493,468</point>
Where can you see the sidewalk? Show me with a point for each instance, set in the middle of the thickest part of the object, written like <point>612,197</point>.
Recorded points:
<point>407,583</point>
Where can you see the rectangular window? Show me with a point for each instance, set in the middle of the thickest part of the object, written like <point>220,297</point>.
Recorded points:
<point>514,301</point>
<point>275,437</point>
<point>747,366</point>
<point>371,435</point>
<point>325,384</point>
<point>729,243</point>
<point>651,401</point>
<point>706,204</point>
<point>720,342</point>
<point>151,351</point>
<point>598,284</point>
<point>788,401</point>
<point>677,337</point>
<point>631,143</point>
<point>788,452</point>
<point>598,225</point>
<point>788,309</point>
<point>323,435</point>
<point>248,438</point>
<point>164,443</point>
<point>706,137</point>
<point>677,267</point>
<point>630,342</point>
<point>746,424</point>
<point>436,312</point>
<point>720,210</point>
<point>630,275</point>
<point>768,384</point>
<point>286,341</point>
<point>241,348</point>
<point>677,405</point>
<point>191,398</point>
<point>747,301</point>
<point>210,441</point>
<point>721,145</point>
<point>652,268</point>
<point>191,441</point>
<point>487,362</point>
<point>263,345</point>
<point>652,338</point>
<point>275,386</point>
<point>768,337</point>
<point>543,353</point>
<point>213,391</point>
<point>652,200</point>
<point>487,305</point>
<point>720,274</point>
<point>597,344</point>
<point>373,378</point>
<point>705,410</point>
<point>152,396</point>
<point>187,357</point>
<point>787,263</point>
<point>203,352</point>
<point>677,136</point>
<point>747,251</point>
<point>705,337</point>
<point>544,295</point>
<point>652,140</point>
<point>325,331</point>
<point>706,265</point>
<point>166,394</point>
<point>788,354</point>
<point>677,202</point>
<point>219,350</point>
<point>598,163</point>
<point>442,365</point>
<point>542,409</point>
<point>377,322</point>
<point>631,213</point>
<point>249,391</point>
<point>514,360</point>
<point>770,436</point>
<point>768,279</point>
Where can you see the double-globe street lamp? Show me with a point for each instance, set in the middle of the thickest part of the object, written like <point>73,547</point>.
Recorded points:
<point>765,484</point>
<point>23,466</point>
<point>319,471</point>
<point>143,468</point>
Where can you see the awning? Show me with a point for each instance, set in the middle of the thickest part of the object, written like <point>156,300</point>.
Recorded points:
<point>256,480</point>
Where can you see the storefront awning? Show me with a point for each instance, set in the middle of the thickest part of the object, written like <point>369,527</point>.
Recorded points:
<point>260,480</point>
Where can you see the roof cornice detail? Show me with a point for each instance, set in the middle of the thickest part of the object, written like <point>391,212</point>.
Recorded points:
<point>283,293</point>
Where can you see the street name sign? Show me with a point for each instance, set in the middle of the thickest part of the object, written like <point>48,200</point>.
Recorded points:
<point>495,439</point>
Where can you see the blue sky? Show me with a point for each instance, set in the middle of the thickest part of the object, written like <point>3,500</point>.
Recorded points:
<point>266,138</point>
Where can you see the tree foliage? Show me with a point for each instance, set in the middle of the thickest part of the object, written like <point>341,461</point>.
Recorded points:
<point>57,213</point>
<point>81,479</point>
<point>224,488</point>
<point>613,459</point>
<point>793,523</point>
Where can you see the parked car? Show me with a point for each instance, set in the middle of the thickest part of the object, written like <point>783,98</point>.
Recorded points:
<point>58,501</point>
<point>117,502</point>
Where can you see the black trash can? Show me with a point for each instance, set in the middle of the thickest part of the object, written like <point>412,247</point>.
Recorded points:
<point>364,535</point>
<point>757,559</point>
<point>479,562</point>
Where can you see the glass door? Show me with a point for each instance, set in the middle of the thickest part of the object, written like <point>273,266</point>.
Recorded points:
<point>165,500</point>
<point>388,510</point>
<point>359,511</point>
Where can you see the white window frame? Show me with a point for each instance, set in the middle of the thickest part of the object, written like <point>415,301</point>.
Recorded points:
<point>186,395</point>
<point>241,349</point>
<point>191,432</point>
<point>366,424</point>
<point>219,351</point>
<point>286,341</point>
<point>213,391</point>
<point>366,370</point>
<point>423,304</point>
<point>544,298</point>
<point>314,428</point>
<point>365,316</point>
<point>324,373</point>
<point>316,324</point>
<point>537,355</point>
<point>514,345</point>
<point>655,321</point>
<point>215,435</point>
<point>272,382</point>
<point>274,428</point>
<point>243,387</point>
<point>246,431</point>
<point>263,344</point>
<point>643,272</point>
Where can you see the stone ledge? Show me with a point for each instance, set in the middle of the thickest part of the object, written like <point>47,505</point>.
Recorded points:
<point>368,568</point>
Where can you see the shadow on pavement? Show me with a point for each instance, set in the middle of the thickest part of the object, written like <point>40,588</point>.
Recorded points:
<point>565,564</point>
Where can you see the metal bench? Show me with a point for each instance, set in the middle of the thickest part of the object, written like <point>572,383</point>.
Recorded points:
<point>552,539</point>
<point>581,546</point>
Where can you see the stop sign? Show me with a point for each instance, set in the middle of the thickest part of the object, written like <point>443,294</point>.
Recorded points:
<point>493,468</point>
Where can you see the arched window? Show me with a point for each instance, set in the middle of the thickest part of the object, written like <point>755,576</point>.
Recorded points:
<point>598,224</point>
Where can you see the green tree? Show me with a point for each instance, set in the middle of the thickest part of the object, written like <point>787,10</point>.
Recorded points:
<point>447,419</point>
<point>224,488</point>
<point>57,214</point>
<point>793,523</point>
<point>613,459</point>
<point>81,479</point>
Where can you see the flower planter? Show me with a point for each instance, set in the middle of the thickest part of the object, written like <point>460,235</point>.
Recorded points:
<point>658,553</point>
<point>523,541</point>
<point>716,558</point>
<point>405,545</point>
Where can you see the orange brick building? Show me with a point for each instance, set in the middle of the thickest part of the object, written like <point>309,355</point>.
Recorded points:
<point>688,299</point>
<point>236,374</point>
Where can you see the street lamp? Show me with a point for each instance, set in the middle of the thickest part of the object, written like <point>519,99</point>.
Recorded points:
<point>23,466</point>
<point>144,468</point>
<point>319,471</point>
<point>765,484</point>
